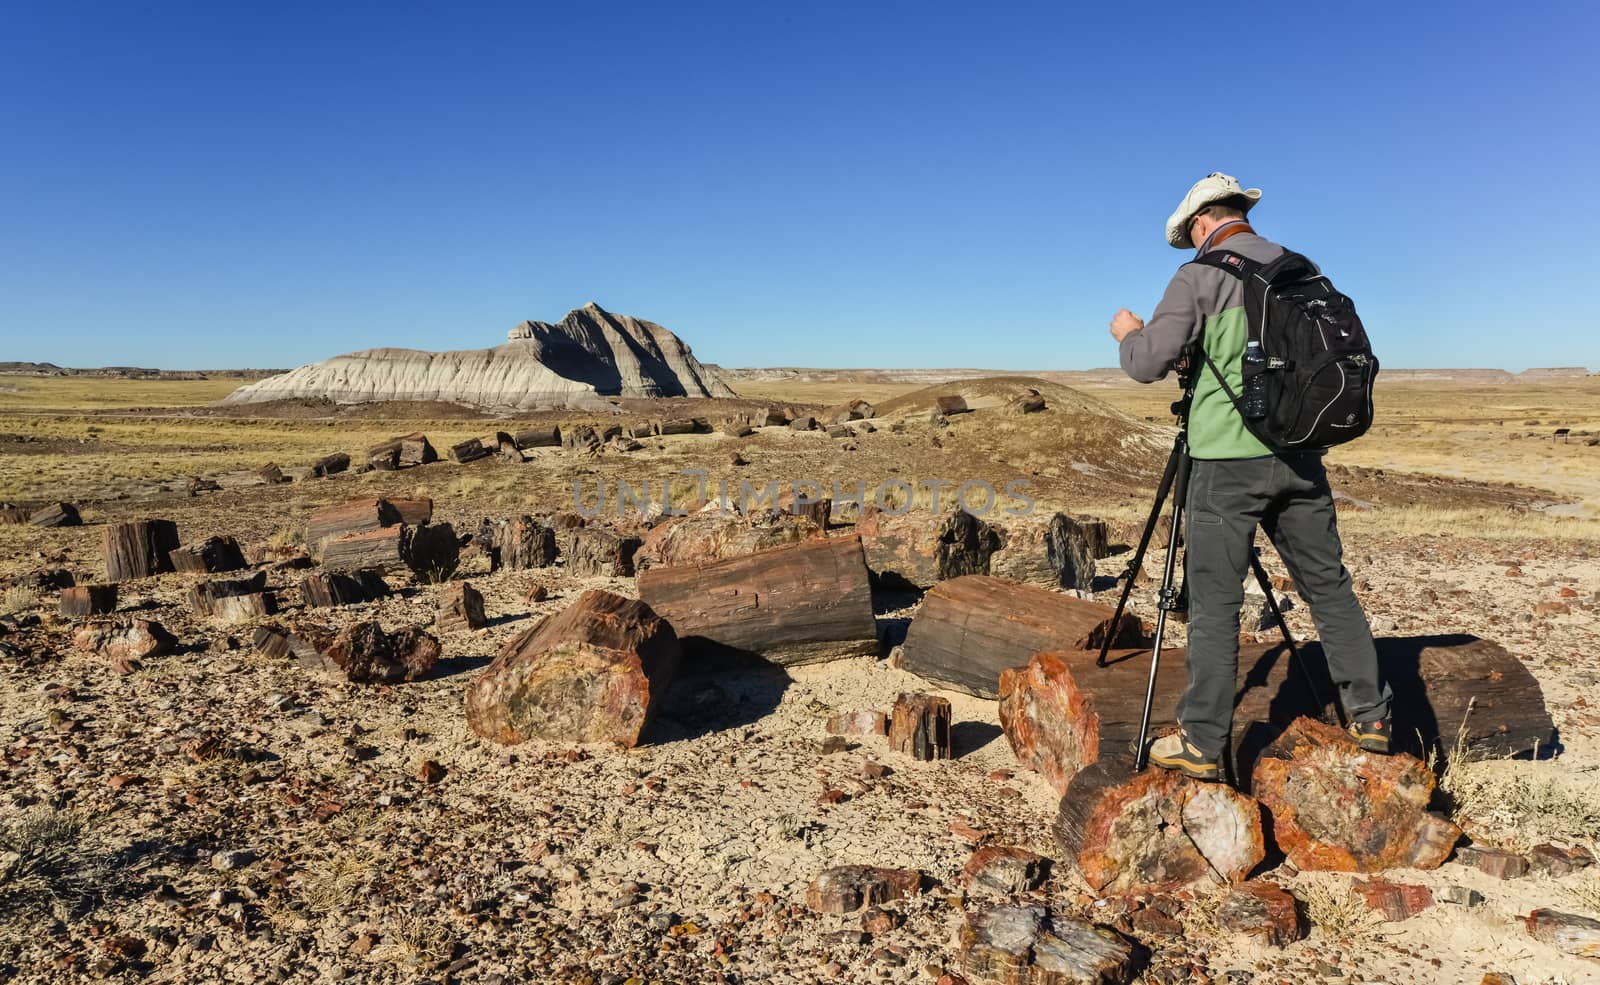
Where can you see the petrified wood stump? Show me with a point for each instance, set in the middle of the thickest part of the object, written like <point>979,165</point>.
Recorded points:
<point>203,595</point>
<point>1337,807</point>
<point>385,550</point>
<point>460,608</point>
<point>213,555</point>
<point>597,551</point>
<point>356,516</point>
<point>323,589</point>
<point>920,549</point>
<point>920,727</point>
<point>1054,551</point>
<point>138,549</point>
<point>970,629</point>
<point>83,601</point>
<point>593,672</point>
<point>1156,830</point>
<point>525,543</point>
<point>802,603</point>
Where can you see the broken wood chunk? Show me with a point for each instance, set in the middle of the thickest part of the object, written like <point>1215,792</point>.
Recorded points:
<point>460,608</point>
<point>1264,910</point>
<point>920,727</point>
<point>1023,945</point>
<point>1156,830</point>
<point>522,544</point>
<point>1337,807</point>
<point>329,465</point>
<point>83,601</point>
<point>593,672</point>
<point>1396,901</point>
<point>133,640</point>
<point>1494,861</point>
<point>384,550</point>
<point>600,552</point>
<point>56,515</point>
<point>1005,870</point>
<point>848,888</point>
<point>413,512</point>
<point>365,654</point>
<point>858,723</point>
<point>355,516</point>
<point>323,589</point>
<point>470,450</point>
<point>203,595</point>
<point>211,556</point>
<point>1571,933</point>
<point>549,437</point>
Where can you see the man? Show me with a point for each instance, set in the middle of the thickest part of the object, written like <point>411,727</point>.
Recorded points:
<point>1237,484</point>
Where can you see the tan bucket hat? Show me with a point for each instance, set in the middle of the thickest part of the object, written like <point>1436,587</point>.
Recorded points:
<point>1214,187</point>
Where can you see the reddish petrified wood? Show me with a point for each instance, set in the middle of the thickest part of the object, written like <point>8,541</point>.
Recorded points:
<point>593,672</point>
<point>803,603</point>
<point>1156,830</point>
<point>1570,932</point>
<point>1337,807</point>
<point>88,600</point>
<point>355,516</point>
<point>1004,869</point>
<point>460,608</point>
<point>969,630</point>
<point>134,639</point>
<point>365,654</point>
<point>1396,901</point>
<point>858,723</point>
<point>138,549</point>
<point>847,888</point>
<point>919,727</point>
<point>1046,719</point>
<point>920,549</point>
<point>1262,909</point>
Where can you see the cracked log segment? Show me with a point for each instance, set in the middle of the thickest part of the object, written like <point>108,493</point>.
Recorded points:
<point>1031,945</point>
<point>1057,551</point>
<point>355,516</point>
<point>804,603</point>
<point>324,589</point>
<point>211,556</point>
<point>593,550</point>
<point>460,608</point>
<point>969,630</point>
<point>1156,830</point>
<point>919,550</point>
<point>138,549</point>
<point>1062,713</point>
<point>432,552</point>
<point>521,544</point>
<point>206,598</point>
<point>919,727</point>
<point>705,537</point>
<point>1337,807</point>
<point>362,653</point>
<point>847,888</point>
<point>549,437</point>
<point>593,672</point>
<point>56,515</point>
<point>403,452</point>
<point>329,465</point>
<point>1570,932</point>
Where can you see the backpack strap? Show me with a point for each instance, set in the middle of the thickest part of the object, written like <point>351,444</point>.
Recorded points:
<point>1236,264</point>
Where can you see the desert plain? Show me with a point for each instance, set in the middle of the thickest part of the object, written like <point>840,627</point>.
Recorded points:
<point>212,813</point>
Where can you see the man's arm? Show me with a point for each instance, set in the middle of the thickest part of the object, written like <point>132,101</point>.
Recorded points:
<point>1149,351</point>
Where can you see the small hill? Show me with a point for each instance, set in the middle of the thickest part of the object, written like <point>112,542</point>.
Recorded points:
<point>589,354</point>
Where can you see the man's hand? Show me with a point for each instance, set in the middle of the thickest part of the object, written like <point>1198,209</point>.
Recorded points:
<point>1124,324</point>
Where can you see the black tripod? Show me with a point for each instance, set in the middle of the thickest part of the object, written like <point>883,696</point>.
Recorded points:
<point>1175,481</point>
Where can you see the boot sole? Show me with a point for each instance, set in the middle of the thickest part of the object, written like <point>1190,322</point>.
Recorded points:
<point>1188,768</point>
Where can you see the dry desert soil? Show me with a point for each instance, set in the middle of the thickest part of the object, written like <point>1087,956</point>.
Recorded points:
<point>212,814</point>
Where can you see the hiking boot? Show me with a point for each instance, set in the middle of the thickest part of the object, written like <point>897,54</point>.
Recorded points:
<point>1372,736</point>
<point>1174,752</point>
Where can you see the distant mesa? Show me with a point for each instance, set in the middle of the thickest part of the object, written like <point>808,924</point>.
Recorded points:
<point>588,355</point>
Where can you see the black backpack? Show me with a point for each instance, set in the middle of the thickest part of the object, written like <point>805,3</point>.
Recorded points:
<point>1309,385</point>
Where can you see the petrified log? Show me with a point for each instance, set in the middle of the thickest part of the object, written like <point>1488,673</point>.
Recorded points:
<point>414,512</point>
<point>271,641</point>
<point>330,465</point>
<point>623,444</point>
<point>1156,830</point>
<point>365,654</point>
<point>919,549</point>
<point>919,727</point>
<point>951,405</point>
<point>803,423</point>
<point>1005,870</point>
<point>460,608</point>
<point>769,417</point>
<point>1262,909</point>
<point>737,429</point>
<point>581,438</point>
<point>355,516</point>
<point>970,629</point>
<point>470,451</point>
<point>1396,901</point>
<point>203,595</point>
<point>802,603</point>
<point>243,608</point>
<point>1337,807</point>
<point>138,549</point>
<point>213,555</point>
<point>705,537</point>
<point>324,589</point>
<point>593,672</point>
<point>134,639</point>
<point>1571,933</point>
<point>382,550</point>
<point>847,888</point>
<point>601,552</point>
<point>1054,551</point>
<point>403,452</point>
<point>1030,401</point>
<point>1496,862</point>
<point>271,474</point>
<point>549,437</point>
<point>524,543</point>
<point>1030,945</point>
<point>56,515</point>
<point>88,600</point>
<point>1067,713</point>
<point>679,426</point>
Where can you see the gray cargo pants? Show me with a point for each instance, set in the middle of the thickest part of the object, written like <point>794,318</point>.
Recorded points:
<point>1289,498</point>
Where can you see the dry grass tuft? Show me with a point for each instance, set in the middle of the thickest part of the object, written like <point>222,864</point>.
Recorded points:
<point>415,940</point>
<point>1585,893</point>
<point>44,866</point>
<point>1337,912</point>
<point>1515,806</point>
<point>19,598</point>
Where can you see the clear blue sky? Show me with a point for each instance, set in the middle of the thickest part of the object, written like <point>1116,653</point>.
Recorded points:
<point>853,184</point>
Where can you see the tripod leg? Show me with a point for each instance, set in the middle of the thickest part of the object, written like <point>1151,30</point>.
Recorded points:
<point>1180,469</point>
<point>1137,564</point>
<point>1288,638</point>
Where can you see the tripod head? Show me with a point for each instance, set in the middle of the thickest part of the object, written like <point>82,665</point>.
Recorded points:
<point>1187,365</point>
